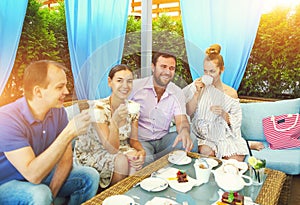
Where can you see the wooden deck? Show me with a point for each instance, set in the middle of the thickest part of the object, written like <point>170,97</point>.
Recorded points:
<point>169,7</point>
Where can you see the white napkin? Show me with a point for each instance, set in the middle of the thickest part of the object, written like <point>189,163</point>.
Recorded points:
<point>174,184</point>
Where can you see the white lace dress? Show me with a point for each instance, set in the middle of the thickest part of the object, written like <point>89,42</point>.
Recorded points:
<point>89,151</point>
<point>212,129</point>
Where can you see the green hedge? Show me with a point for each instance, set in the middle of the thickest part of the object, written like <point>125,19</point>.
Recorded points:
<point>43,36</point>
<point>274,65</point>
<point>272,71</point>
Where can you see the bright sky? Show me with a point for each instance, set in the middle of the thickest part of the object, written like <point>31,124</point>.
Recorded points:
<point>271,4</point>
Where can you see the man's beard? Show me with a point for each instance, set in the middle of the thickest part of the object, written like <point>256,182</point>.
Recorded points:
<point>162,83</point>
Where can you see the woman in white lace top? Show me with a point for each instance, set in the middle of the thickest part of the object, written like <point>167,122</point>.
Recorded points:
<point>111,144</point>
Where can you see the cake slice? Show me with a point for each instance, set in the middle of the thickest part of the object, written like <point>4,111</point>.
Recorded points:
<point>181,176</point>
<point>233,198</point>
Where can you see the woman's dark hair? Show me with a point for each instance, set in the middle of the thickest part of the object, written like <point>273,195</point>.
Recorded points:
<point>117,68</point>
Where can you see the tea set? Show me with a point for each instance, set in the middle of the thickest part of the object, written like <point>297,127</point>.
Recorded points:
<point>230,176</point>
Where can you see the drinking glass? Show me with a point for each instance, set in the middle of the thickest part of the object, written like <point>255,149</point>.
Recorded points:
<point>257,175</point>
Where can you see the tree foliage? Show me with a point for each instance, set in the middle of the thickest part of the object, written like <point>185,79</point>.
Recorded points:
<point>43,37</point>
<point>274,65</point>
<point>272,71</point>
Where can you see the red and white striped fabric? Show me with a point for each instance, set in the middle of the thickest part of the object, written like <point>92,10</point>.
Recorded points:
<point>282,131</point>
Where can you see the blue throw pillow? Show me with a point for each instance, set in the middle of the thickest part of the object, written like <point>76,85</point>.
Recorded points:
<point>253,113</point>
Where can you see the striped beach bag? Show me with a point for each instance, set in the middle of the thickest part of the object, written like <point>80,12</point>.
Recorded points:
<point>282,131</point>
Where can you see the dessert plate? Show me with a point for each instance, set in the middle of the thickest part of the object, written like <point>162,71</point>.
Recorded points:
<point>179,158</point>
<point>171,176</point>
<point>154,184</point>
<point>242,167</point>
<point>247,200</point>
<point>210,161</point>
<point>161,201</point>
<point>116,199</point>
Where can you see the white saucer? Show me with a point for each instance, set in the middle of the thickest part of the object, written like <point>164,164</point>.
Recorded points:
<point>241,166</point>
<point>160,201</point>
<point>211,162</point>
<point>179,158</point>
<point>118,199</point>
<point>154,184</point>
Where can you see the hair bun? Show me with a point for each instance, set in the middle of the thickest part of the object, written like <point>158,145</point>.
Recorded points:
<point>213,49</point>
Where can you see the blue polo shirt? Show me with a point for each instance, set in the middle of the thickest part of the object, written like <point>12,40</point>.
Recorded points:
<point>19,129</point>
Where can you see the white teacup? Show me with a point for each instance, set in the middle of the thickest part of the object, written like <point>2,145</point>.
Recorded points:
<point>207,80</point>
<point>94,111</point>
<point>202,172</point>
<point>94,114</point>
<point>133,108</point>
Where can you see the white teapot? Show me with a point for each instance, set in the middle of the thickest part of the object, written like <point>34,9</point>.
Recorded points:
<point>229,178</point>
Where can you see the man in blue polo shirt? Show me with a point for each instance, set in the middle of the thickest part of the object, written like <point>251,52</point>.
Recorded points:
<point>35,143</point>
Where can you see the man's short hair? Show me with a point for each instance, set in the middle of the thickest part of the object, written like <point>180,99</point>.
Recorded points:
<point>156,55</point>
<point>36,74</point>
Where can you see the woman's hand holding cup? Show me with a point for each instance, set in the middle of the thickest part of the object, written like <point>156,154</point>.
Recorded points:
<point>205,80</point>
<point>120,115</point>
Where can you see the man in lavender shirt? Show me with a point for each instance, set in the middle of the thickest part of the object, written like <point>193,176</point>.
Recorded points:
<point>161,101</point>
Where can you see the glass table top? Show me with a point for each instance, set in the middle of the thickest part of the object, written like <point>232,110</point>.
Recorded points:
<point>204,194</point>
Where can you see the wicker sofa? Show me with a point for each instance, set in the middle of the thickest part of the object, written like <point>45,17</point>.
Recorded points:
<point>285,160</point>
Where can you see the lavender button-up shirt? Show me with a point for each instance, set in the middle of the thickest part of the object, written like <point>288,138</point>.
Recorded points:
<point>155,117</point>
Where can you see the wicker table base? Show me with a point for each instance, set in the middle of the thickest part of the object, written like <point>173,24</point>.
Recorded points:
<point>270,191</point>
<point>268,195</point>
<point>123,186</point>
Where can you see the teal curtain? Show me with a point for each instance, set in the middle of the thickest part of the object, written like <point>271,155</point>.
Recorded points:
<point>12,16</point>
<point>96,32</point>
<point>232,24</point>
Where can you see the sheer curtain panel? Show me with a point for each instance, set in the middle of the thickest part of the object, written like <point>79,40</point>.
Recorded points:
<point>232,24</point>
<point>12,16</point>
<point>96,32</point>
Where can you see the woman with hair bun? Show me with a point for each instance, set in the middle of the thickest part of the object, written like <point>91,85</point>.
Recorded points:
<point>215,111</point>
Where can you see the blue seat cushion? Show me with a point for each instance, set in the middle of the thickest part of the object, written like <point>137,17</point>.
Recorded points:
<point>253,113</point>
